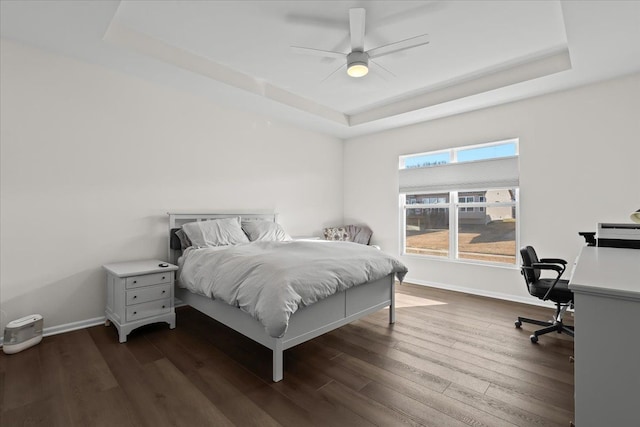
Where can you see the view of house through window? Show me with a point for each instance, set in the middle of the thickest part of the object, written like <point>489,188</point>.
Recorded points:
<point>461,223</point>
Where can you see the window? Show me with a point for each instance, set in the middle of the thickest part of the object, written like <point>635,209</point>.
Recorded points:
<point>463,207</point>
<point>465,199</point>
<point>428,159</point>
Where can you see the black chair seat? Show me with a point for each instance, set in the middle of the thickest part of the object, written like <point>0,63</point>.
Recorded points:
<point>560,292</point>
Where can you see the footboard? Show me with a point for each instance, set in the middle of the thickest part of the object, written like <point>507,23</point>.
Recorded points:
<point>308,322</point>
<point>340,309</point>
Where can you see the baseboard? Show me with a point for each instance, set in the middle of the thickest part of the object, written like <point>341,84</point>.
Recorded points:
<point>68,327</point>
<point>474,291</point>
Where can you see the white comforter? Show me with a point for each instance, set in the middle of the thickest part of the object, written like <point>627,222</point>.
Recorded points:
<point>271,280</point>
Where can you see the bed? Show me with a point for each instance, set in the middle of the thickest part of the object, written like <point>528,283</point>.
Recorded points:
<point>304,324</point>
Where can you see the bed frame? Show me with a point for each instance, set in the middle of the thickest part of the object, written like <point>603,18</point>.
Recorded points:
<point>306,323</point>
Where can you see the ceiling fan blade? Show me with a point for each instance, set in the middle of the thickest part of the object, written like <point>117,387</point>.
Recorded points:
<point>317,52</point>
<point>356,28</point>
<point>386,74</point>
<point>329,76</point>
<point>398,46</point>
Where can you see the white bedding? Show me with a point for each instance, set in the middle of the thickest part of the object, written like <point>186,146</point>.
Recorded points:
<point>271,280</point>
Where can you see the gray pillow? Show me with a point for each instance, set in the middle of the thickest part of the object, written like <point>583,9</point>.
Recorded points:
<point>265,231</point>
<point>184,240</point>
<point>216,232</point>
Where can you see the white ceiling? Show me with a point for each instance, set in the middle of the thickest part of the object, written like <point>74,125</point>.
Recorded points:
<point>481,53</point>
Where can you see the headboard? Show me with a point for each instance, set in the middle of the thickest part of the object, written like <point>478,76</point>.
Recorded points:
<point>178,219</point>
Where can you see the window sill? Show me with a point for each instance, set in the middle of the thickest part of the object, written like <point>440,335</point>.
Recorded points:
<point>465,262</point>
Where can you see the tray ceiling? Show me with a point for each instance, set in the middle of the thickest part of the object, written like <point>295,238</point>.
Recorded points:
<point>481,53</point>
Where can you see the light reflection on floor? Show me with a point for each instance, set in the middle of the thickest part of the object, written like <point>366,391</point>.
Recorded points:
<point>403,300</point>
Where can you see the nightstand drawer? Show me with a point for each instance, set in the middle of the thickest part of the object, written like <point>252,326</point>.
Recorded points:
<point>148,309</point>
<point>149,279</point>
<point>150,293</point>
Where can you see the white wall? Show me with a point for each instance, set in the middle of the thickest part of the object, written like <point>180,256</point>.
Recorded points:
<point>579,165</point>
<point>91,161</point>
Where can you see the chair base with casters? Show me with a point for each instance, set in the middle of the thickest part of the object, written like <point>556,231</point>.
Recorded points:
<point>555,289</point>
<point>554,325</point>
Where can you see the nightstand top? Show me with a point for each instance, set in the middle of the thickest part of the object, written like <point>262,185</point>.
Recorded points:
<point>136,268</point>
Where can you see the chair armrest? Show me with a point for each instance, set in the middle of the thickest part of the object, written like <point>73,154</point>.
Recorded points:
<point>546,266</point>
<point>559,269</point>
<point>554,261</point>
<point>375,246</point>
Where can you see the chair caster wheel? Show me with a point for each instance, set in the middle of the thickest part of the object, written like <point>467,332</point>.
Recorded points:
<point>533,338</point>
<point>518,324</point>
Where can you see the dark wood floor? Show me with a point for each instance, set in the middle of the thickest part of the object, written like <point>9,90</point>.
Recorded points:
<point>450,360</point>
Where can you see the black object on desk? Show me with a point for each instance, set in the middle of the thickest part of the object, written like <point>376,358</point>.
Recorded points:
<point>589,237</point>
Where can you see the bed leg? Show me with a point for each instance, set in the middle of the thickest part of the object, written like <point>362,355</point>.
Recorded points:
<point>278,362</point>
<point>392,306</point>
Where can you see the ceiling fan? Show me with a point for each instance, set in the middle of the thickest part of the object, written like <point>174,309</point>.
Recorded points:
<point>358,59</point>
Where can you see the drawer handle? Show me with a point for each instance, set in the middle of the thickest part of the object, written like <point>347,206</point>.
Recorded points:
<point>135,281</point>
<point>135,296</point>
<point>163,306</point>
<point>135,312</point>
<point>164,292</point>
<point>162,277</point>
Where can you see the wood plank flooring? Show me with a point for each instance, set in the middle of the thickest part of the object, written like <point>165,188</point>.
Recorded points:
<point>451,359</point>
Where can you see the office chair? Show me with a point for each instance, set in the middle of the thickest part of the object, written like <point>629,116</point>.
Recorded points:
<point>555,289</point>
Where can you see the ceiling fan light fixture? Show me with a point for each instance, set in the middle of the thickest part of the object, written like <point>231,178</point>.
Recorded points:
<point>357,64</point>
<point>358,69</point>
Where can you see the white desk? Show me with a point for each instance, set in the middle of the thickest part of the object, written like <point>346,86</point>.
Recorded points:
<point>606,287</point>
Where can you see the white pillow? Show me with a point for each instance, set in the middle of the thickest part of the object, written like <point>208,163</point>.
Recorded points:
<point>265,231</point>
<point>217,232</point>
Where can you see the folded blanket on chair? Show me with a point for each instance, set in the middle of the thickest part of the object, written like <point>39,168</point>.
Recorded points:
<point>359,233</point>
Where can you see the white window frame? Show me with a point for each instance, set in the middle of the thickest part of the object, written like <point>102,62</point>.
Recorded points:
<point>453,205</point>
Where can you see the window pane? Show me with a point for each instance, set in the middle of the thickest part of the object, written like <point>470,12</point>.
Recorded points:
<point>500,195</point>
<point>427,231</point>
<point>490,152</point>
<point>426,160</point>
<point>482,238</point>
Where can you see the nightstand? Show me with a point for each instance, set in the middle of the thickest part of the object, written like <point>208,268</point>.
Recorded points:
<point>139,293</point>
